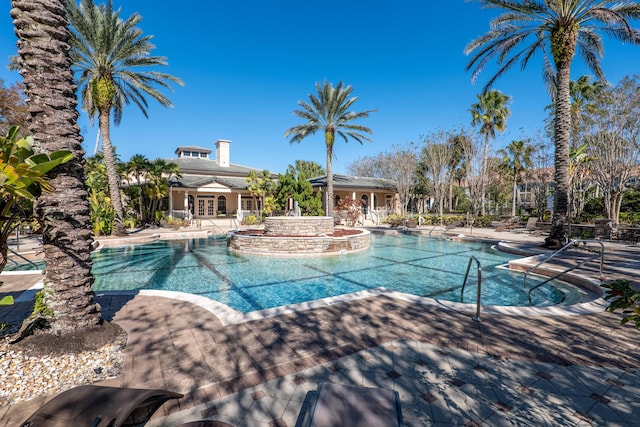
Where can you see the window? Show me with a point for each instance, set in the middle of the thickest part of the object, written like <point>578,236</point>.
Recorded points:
<point>200,207</point>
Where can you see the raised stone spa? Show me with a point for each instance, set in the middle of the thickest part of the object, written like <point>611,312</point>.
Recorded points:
<point>299,236</point>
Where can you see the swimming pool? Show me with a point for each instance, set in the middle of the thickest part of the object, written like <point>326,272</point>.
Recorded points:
<point>412,264</point>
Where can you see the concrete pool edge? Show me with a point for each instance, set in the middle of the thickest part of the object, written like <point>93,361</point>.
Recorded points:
<point>107,241</point>
<point>230,316</point>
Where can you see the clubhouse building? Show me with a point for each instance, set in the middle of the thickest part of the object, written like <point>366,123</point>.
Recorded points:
<point>213,188</point>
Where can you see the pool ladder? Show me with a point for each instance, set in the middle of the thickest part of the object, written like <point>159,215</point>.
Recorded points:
<point>573,267</point>
<point>466,276</point>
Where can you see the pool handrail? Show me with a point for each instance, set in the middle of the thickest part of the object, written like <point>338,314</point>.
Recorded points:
<point>479,269</point>
<point>571,268</point>
<point>28,261</point>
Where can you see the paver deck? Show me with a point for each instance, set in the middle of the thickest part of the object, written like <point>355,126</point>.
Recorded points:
<point>448,368</point>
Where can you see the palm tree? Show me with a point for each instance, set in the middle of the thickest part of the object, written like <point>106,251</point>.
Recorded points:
<point>562,28</point>
<point>138,166</point>
<point>329,112</point>
<point>159,174</point>
<point>260,185</point>
<point>309,168</point>
<point>582,93</point>
<point>516,158</point>
<point>491,113</point>
<point>112,57</point>
<point>458,142</point>
<point>45,65</point>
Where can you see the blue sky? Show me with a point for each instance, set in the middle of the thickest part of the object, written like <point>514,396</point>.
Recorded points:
<point>246,64</point>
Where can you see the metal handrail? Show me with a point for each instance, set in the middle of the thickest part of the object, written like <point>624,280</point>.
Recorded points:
<point>375,217</point>
<point>28,261</point>
<point>574,267</point>
<point>479,267</point>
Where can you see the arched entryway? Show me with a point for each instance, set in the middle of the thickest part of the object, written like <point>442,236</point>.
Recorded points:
<point>222,205</point>
<point>190,208</point>
<point>365,204</point>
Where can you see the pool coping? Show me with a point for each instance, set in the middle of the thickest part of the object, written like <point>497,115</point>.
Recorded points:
<point>231,316</point>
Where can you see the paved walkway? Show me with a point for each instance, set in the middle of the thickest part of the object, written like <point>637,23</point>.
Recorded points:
<point>448,368</point>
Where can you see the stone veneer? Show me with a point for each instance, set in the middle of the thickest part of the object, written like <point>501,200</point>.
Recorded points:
<point>298,236</point>
<point>298,225</point>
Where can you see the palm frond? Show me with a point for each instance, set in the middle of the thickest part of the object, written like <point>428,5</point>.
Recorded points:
<point>106,46</point>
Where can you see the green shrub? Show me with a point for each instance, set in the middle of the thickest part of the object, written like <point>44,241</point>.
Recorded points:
<point>630,217</point>
<point>178,222</point>
<point>130,222</point>
<point>484,221</point>
<point>623,297</point>
<point>250,220</point>
<point>39,307</point>
<point>394,220</point>
<point>594,207</point>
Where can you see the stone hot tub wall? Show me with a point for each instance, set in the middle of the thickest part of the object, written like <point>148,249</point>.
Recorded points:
<point>298,246</point>
<point>298,225</point>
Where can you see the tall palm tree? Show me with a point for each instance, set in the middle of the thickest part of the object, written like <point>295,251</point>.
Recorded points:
<point>329,112</point>
<point>138,166</point>
<point>516,158</point>
<point>159,174</point>
<point>260,185</point>
<point>309,168</point>
<point>112,60</point>
<point>582,93</point>
<point>562,29</point>
<point>491,113</point>
<point>459,143</point>
<point>45,65</point>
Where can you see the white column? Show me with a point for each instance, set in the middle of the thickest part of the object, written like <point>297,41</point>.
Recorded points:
<point>170,202</point>
<point>186,204</point>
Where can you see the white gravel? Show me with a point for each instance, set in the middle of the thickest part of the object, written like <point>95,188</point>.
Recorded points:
<point>24,376</point>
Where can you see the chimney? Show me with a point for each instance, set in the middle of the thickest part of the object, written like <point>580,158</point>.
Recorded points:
<point>222,152</point>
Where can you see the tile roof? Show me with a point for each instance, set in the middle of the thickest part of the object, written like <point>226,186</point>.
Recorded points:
<point>194,165</point>
<point>344,181</point>
<point>194,181</point>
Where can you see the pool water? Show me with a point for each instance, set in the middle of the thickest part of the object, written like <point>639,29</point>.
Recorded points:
<point>412,264</point>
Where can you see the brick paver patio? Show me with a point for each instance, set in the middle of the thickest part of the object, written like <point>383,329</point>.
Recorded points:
<point>182,347</point>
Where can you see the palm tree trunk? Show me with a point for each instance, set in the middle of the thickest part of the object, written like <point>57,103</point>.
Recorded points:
<point>329,139</point>
<point>483,180</point>
<point>112,172</point>
<point>513,195</point>
<point>45,64</point>
<point>140,210</point>
<point>4,250</point>
<point>450,194</point>
<point>562,130</point>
